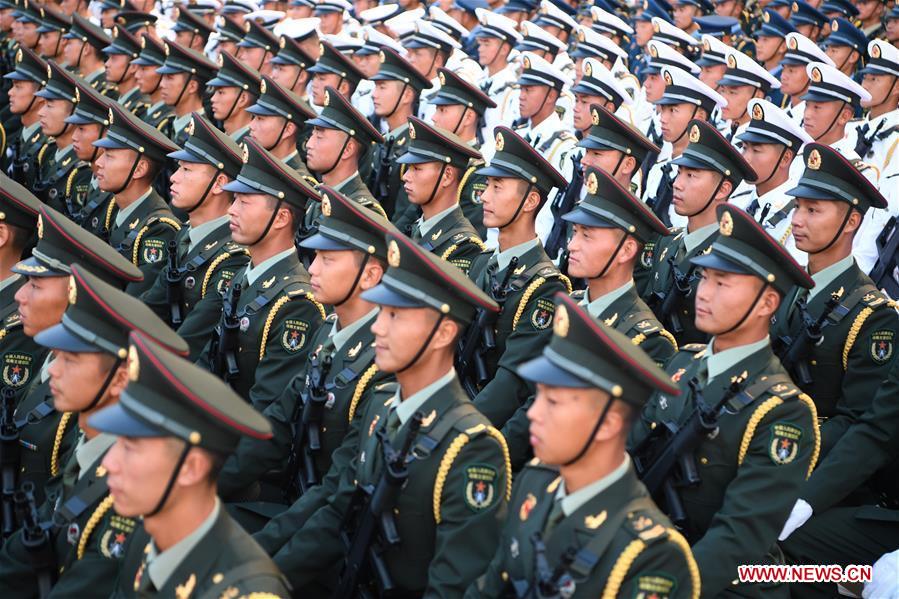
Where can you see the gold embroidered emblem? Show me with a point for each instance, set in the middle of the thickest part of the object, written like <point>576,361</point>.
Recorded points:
<point>814,160</point>
<point>561,323</point>
<point>393,254</point>
<point>133,364</point>
<point>726,226</point>
<point>594,522</point>
<point>183,591</point>
<point>592,183</point>
<point>73,290</point>
<point>694,134</point>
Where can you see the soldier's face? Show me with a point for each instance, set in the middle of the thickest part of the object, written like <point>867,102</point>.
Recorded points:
<point>683,15</point>
<point>116,66</point>
<point>693,188</point>
<point>286,75</point>
<point>76,378</point>
<point>21,95</point>
<point>171,86</point>
<point>868,9</point>
<point>561,420</point>
<point>892,27</point>
<point>6,19</point>
<point>386,96</point>
<point>333,273</point>
<point>323,147</point>
<point>764,158</point>
<point>53,116</point>
<point>501,199</point>
<point>842,57</point>
<point>532,99</point>
<point>399,334</point>
<point>674,119</point>
<point>793,79</point>
<point>229,47</point>
<point>582,102</point>
<point>591,248</point>
<point>319,82</point>
<point>72,51</point>
<point>728,8</point>
<point>42,300</point>
<point>83,138</point>
<point>654,86</point>
<point>768,46</point>
<point>50,45</point>
<point>489,49</point>
<point>723,298</point>
<point>421,180</point>
<point>267,129</point>
<point>331,23</point>
<point>812,32</point>
<point>250,214</point>
<point>711,75</point>
<point>69,6</point>
<point>138,472</point>
<point>815,222</point>
<point>824,118</point>
<point>643,32</point>
<point>449,117</point>
<point>189,183</point>
<point>882,88</point>
<point>425,60</point>
<point>147,79</point>
<point>224,101</point>
<point>608,160</point>
<point>253,57</point>
<point>367,64</point>
<point>113,167</point>
<point>29,35</point>
<point>737,97</point>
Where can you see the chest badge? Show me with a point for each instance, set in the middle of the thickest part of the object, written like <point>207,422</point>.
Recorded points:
<point>527,506</point>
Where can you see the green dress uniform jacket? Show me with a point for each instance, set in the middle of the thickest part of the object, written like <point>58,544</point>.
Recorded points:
<point>523,327</point>
<point>402,212</point>
<point>159,116</point>
<point>136,102</point>
<point>353,188</point>
<point>203,273</point>
<point>98,213</point>
<point>88,538</point>
<point>278,316</point>
<point>661,281</point>
<point>20,356</point>
<point>10,132</point>
<point>224,563</point>
<point>447,514</point>
<point>855,354</point>
<point>97,80</point>
<point>27,158</point>
<point>471,186</point>
<point>626,546</point>
<point>143,239</point>
<point>751,472</point>
<point>452,238</point>
<point>67,182</point>
<point>348,381</point>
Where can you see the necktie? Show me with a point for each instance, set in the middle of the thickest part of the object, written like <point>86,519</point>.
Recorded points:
<point>556,515</point>
<point>393,423</point>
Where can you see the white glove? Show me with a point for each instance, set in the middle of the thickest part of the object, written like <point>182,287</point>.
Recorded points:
<point>802,511</point>
<point>885,578</point>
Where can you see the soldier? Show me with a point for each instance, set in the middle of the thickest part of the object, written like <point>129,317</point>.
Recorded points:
<point>518,274</point>
<point>591,382</point>
<point>84,54</point>
<point>52,27</point>
<point>335,70</point>
<point>235,88</point>
<point>459,61</point>
<point>57,159</point>
<point>191,31</point>
<point>228,33</point>
<point>710,169</point>
<point>175,425</point>
<point>496,37</point>
<point>660,56</point>
<point>429,48</point>
<point>771,142</point>
<point>28,17</point>
<point>17,237</point>
<point>133,154</point>
<point>855,352</point>
<point>152,56</point>
<point>597,85</point>
<point>771,47</point>
<point>845,46</point>
<point>685,98</point>
<point>733,498</point>
<point>877,136</point>
<point>29,76</point>
<point>289,67</point>
<point>682,41</point>
<point>85,538</point>
<point>202,260</point>
<point>184,77</point>
<point>434,163</point>
<point>340,140</point>
<point>120,70</point>
<point>684,12</point>
<point>316,418</point>
<point>794,80</point>
<point>42,301</point>
<point>367,58</point>
<point>808,20</point>
<point>269,314</point>
<point>278,118</point>
<point>597,46</point>
<point>257,48</point>
<point>744,80</point>
<point>871,17</point>
<point>137,23</point>
<point>425,303</point>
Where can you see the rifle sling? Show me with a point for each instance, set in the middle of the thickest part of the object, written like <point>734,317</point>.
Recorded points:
<point>747,396</point>
<point>88,494</point>
<point>426,443</point>
<point>37,413</point>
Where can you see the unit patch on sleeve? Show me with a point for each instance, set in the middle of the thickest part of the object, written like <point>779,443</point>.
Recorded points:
<point>294,337</point>
<point>655,586</point>
<point>17,368</point>
<point>480,486</point>
<point>882,346</point>
<point>152,250</point>
<point>542,316</point>
<point>784,446</point>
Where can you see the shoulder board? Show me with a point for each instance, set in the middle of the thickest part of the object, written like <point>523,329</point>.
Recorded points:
<point>389,387</point>
<point>578,295</point>
<point>168,221</point>
<point>12,321</point>
<point>693,347</point>
<point>234,248</point>
<point>311,180</point>
<point>646,527</point>
<point>646,327</point>
<point>875,299</point>
<point>332,318</point>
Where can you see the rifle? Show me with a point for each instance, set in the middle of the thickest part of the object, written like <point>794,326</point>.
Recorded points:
<point>499,292</point>
<point>36,540</point>
<point>10,452</point>
<point>374,506</point>
<point>562,204</point>
<point>665,302</point>
<point>173,277</point>
<point>887,259</point>
<point>678,445</point>
<point>479,339</point>
<point>307,429</point>
<point>661,202</point>
<point>549,583</point>
<point>225,355</point>
<point>379,179</point>
<point>795,354</point>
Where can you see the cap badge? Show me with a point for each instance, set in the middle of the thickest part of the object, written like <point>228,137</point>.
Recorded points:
<point>73,291</point>
<point>757,113</point>
<point>221,60</point>
<point>49,72</point>
<point>816,75</point>
<point>694,134</point>
<point>653,51</point>
<point>321,48</point>
<point>246,153</point>
<point>393,254</point>
<point>581,36</point>
<point>326,205</point>
<point>442,78</point>
<point>561,322</point>
<point>143,42</point>
<point>792,43</point>
<point>669,80</point>
<point>875,50</point>
<point>526,62</point>
<point>191,126</point>
<point>165,48</point>
<point>246,26</point>
<point>19,55</point>
<point>500,142</point>
<point>382,57</point>
<point>411,131</point>
<point>592,184</point>
<point>40,226</point>
<point>77,95</point>
<point>726,226</point>
<point>766,17</point>
<point>795,7</point>
<point>732,61</point>
<point>706,46</point>
<point>834,25</point>
<point>656,28</point>
<point>262,86</point>
<point>814,160</point>
<point>282,42</point>
<point>110,115</point>
<point>133,364</point>
<point>588,69</point>
<point>327,98</point>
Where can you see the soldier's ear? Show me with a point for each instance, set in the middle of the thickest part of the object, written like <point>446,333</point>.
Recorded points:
<point>5,235</point>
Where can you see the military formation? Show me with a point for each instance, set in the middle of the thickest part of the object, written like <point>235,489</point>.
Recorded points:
<point>469,298</point>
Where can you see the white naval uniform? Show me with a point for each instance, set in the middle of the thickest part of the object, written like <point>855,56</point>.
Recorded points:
<point>885,132</point>
<point>499,87</point>
<point>777,206</point>
<point>654,178</point>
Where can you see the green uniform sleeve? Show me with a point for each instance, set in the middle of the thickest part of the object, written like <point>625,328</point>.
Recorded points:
<point>664,568</point>
<point>150,254</point>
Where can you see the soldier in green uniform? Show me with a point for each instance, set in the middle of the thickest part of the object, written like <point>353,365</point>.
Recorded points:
<point>229,33</point>
<point>398,85</point>
<point>315,420</point>
<point>187,293</point>
<point>335,70</point>
<point>19,353</point>
<point>581,494</point>
<point>733,499</point>
<point>458,479</point>
<point>289,67</point>
<point>85,535</point>
<point>257,47</point>
<point>133,154</point>
<point>52,27</point>
<point>518,275</point>
<point>184,77</point>
<point>27,79</point>
<point>278,118</point>
<point>341,139</point>
<point>175,424</point>
<point>84,202</point>
<point>84,54</point>
<point>845,368</point>
<point>137,22</point>
<point>459,108</point>
<point>269,313</point>
<point>234,89</point>
<point>191,31</point>
<point>121,55</point>
<point>42,301</point>
<point>434,164</point>
<point>57,160</point>
<point>152,56</point>
<point>709,170</point>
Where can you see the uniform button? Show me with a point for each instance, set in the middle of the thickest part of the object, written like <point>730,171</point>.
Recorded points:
<point>703,461</point>
<point>504,576</point>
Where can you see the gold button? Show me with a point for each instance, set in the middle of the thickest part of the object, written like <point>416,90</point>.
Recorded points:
<point>703,461</point>
<point>505,576</point>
